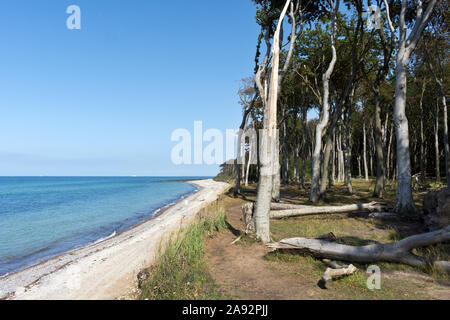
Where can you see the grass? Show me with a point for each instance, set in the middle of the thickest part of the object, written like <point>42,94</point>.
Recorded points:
<point>181,272</point>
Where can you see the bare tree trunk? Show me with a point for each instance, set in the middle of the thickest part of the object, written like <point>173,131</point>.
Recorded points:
<point>348,151</point>
<point>304,145</point>
<point>276,179</point>
<point>405,45</point>
<point>422,142</point>
<point>366,171</point>
<point>285,169</point>
<point>388,160</point>
<point>296,167</point>
<point>315,165</point>
<point>332,159</point>
<point>405,202</point>
<point>295,211</point>
<point>436,143</point>
<point>446,142</point>
<point>340,157</point>
<point>379,183</point>
<point>264,195</point>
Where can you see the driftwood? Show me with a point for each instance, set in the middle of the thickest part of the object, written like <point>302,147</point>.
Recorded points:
<point>283,206</point>
<point>335,271</point>
<point>398,252</point>
<point>331,273</point>
<point>310,210</point>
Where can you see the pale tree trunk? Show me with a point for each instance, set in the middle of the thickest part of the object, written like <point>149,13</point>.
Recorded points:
<point>379,183</point>
<point>405,45</point>
<point>405,202</point>
<point>276,181</point>
<point>348,151</point>
<point>388,160</point>
<point>422,142</point>
<point>264,195</point>
<point>340,156</point>
<point>446,142</point>
<point>296,167</point>
<point>436,143</point>
<point>366,170</point>
<point>285,164</point>
<point>332,159</point>
<point>305,146</point>
<point>359,168</point>
<point>315,165</point>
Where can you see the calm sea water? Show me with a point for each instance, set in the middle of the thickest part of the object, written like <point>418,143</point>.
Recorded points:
<point>41,217</point>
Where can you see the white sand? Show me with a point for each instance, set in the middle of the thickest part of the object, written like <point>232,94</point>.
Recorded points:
<point>108,269</point>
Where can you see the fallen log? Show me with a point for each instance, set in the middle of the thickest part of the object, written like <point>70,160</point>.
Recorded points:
<point>310,210</point>
<point>335,273</point>
<point>283,206</point>
<point>397,252</point>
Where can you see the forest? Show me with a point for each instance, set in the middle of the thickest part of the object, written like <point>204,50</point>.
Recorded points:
<point>347,91</point>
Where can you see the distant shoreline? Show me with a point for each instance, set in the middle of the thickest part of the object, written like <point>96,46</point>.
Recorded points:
<point>66,276</point>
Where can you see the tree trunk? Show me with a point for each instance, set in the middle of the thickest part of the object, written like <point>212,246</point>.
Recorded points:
<point>305,146</point>
<point>445,129</point>
<point>366,171</point>
<point>332,161</point>
<point>405,202</point>
<point>348,150</point>
<point>268,169</point>
<point>315,165</point>
<point>379,183</point>
<point>436,143</point>
<point>422,142</point>
<point>299,210</point>
<point>388,157</point>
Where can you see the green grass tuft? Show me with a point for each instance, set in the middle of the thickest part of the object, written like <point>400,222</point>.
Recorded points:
<point>181,272</point>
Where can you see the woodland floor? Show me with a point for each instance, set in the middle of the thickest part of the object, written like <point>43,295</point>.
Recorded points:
<point>248,270</point>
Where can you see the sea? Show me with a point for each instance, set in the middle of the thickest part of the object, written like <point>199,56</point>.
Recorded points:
<point>43,217</point>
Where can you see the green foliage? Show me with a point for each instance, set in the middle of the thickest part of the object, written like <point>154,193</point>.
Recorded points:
<point>181,272</point>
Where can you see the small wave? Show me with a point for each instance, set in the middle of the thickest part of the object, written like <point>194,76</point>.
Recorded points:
<point>112,235</point>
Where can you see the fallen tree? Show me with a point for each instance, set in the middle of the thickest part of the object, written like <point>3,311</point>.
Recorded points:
<point>398,252</point>
<point>295,211</point>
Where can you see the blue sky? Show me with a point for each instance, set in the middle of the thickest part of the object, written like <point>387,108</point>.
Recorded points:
<point>105,99</point>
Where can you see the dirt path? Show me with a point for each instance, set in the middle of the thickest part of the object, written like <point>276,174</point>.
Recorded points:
<point>244,273</point>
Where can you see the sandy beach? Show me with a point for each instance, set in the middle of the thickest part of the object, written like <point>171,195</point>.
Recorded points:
<point>108,269</point>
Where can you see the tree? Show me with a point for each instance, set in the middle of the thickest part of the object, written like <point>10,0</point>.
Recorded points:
<point>404,46</point>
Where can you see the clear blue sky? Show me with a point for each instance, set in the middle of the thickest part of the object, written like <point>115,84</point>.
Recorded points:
<point>105,99</point>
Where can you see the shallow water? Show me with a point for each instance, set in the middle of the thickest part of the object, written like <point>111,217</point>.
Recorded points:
<point>41,217</point>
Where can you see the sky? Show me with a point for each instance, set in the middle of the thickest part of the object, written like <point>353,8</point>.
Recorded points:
<point>105,99</point>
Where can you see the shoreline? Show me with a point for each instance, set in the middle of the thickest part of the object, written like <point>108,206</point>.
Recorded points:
<point>151,215</point>
<point>107,269</point>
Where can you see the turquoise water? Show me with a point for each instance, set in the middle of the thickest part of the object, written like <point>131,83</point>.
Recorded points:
<point>41,217</point>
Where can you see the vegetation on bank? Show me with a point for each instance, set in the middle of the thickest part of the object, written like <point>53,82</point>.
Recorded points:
<point>181,272</point>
